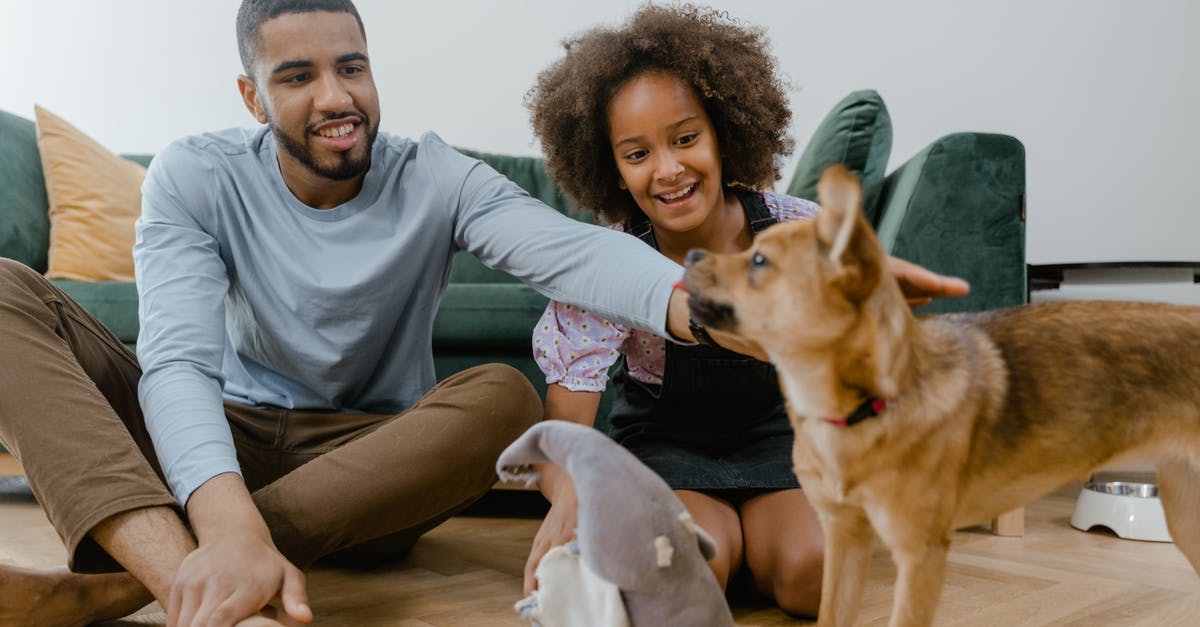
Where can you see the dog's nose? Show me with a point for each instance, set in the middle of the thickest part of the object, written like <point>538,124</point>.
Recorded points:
<point>693,256</point>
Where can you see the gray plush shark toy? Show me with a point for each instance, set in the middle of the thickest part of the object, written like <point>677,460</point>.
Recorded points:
<point>633,531</point>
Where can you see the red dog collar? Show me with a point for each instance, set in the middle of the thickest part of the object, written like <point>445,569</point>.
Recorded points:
<point>868,409</point>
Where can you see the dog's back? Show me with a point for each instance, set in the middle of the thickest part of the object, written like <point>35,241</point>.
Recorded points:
<point>1083,382</point>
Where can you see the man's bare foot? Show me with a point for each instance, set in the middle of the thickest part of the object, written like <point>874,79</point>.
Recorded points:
<point>61,598</point>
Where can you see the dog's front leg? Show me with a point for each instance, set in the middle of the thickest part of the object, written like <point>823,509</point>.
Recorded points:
<point>848,544</point>
<point>921,566</point>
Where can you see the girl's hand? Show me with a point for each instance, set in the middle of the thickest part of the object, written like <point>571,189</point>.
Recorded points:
<point>558,528</point>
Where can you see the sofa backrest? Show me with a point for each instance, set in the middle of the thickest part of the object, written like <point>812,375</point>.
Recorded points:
<point>24,210</point>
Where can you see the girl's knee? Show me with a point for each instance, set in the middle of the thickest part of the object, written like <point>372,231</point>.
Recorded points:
<point>721,522</point>
<point>721,564</point>
<point>796,582</point>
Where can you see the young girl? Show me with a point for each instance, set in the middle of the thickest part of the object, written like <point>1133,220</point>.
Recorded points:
<point>669,128</point>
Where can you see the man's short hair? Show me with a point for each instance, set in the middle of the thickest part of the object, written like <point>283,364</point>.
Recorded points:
<point>253,13</point>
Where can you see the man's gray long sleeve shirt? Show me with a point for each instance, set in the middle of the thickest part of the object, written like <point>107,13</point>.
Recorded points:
<point>247,294</point>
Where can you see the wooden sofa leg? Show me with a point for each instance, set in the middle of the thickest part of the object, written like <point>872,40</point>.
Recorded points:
<point>1011,523</point>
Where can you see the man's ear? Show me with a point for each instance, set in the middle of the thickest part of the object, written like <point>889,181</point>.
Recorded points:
<point>250,98</point>
<point>844,235</point>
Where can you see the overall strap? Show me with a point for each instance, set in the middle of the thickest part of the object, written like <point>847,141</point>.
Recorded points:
<point>639,227</point>
<point>757,212</point>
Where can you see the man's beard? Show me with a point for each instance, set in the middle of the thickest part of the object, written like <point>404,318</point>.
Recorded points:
<point>346,166</point>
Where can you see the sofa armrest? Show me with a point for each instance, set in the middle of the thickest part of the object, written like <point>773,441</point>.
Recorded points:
<point>957,208</point>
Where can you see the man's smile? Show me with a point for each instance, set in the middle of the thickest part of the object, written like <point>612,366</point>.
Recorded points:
<point>341,134</point>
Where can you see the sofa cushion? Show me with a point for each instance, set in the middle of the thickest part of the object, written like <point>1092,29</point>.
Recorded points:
<point>482,315</point>
<point>856,133</point>
<point>113,303</point>
<point>95,197</point>
<point>24,221</point>
<point>468,269</point>
<point>470,316</point>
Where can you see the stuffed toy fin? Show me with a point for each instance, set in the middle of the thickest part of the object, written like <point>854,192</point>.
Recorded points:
<point>633,531</point>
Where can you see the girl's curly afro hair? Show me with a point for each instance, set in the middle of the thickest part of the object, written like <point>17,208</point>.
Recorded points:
<point>727,65</point>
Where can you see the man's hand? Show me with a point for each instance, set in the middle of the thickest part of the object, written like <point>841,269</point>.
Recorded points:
<point>236,571</point>
<point>560,523</point>
<point>269,617</point>
<point>920,286</point>
<point>234,578</point>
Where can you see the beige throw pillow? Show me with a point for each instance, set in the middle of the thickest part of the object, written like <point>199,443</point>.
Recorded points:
<point>95,197</point>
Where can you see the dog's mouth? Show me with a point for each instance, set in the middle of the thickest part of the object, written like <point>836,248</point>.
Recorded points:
<point>711,313</point>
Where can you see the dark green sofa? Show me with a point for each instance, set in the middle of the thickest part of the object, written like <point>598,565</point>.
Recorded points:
<point>956,207</point>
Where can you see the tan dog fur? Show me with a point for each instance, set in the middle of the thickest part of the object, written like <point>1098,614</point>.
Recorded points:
<point>985,411</point>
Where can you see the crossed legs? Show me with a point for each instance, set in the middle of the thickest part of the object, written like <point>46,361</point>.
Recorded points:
<point>369,492</point>
<point>68,411</point>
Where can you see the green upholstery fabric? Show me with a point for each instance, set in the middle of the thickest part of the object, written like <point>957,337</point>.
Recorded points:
<point>956,208</point>
<point>114,303</point>
<point>856,133</point>
<point>142,160</point>
<point>24,210</point>
<point>487,316</point>
<point>468,269</point>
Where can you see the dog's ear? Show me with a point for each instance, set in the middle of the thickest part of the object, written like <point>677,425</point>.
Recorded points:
<point>844,235</point>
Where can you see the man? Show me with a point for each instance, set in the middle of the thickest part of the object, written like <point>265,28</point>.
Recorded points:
<point>282,404</point>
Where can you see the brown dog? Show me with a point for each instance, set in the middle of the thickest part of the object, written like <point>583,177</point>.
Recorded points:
<point>918,426</point>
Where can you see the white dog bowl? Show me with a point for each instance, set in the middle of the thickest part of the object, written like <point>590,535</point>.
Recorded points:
<point>1130,510</point>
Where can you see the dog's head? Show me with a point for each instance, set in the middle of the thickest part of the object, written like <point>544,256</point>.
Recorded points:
<point>801,286</point>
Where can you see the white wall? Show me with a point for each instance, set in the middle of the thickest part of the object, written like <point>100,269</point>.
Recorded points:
<point>1103,93</point>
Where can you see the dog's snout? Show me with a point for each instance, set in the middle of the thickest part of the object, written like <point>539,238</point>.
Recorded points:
<point>694,255</point>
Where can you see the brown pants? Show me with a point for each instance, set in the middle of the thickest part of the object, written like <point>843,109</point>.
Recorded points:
<point>323,481</point>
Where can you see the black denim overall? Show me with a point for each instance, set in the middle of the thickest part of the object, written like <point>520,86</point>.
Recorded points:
<point>717,422</point>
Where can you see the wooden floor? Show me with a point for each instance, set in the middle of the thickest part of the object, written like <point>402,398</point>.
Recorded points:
<point>467,573</point>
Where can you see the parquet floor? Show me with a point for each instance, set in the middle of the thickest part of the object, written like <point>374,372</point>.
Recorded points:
<point>467,573</point>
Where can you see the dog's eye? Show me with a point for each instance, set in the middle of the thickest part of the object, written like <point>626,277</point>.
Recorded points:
<point>758,261</point>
